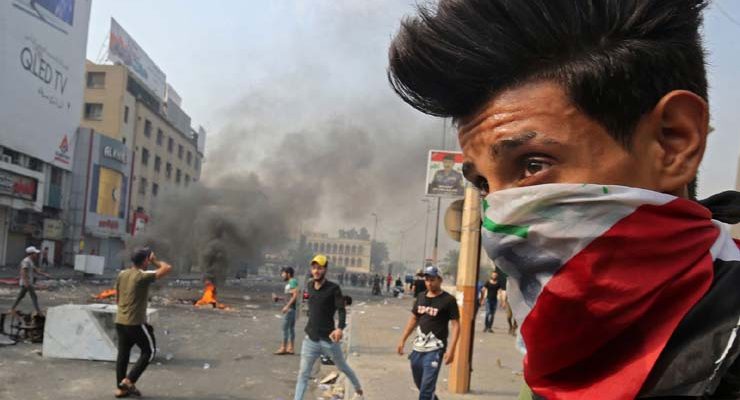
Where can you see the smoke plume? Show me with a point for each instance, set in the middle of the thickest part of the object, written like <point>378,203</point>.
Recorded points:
<point>318,145</point>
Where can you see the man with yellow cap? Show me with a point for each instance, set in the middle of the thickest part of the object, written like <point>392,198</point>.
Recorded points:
<point>322,336</point>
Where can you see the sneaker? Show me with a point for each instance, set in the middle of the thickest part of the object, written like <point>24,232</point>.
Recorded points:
<point>358,396</point>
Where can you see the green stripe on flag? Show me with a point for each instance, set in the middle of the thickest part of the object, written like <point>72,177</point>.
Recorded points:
<point>517,230</point>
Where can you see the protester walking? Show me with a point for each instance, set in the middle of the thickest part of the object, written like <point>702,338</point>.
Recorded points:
<point>322,336</point>
<point>132,289</point>
<point>489,296</point>
<point>431,314</point>
<point>27,280</point>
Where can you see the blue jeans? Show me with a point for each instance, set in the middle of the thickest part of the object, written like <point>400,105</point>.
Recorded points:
<point>490,311</point>
<point>425,369</point>
<point>310,351</point>
<point>289,326</point>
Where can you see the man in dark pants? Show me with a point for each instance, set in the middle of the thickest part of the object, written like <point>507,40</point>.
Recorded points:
<point>432,312</point>
<point>132,288</point>
<point>490,297</point>
<point>26,282</point>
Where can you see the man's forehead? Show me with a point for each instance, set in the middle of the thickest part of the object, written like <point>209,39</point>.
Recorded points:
<point>515,106</point>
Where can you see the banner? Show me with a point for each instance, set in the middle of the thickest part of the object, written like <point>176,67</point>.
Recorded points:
<point>444,174</point>
<point>123,49</point>
<point>109,192</point>
<point>42,59</point>
<point>19,186</point>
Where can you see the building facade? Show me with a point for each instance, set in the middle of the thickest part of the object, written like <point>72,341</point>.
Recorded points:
<point>165,148</point>
<point>351,254</point>
<point>101,193</point>
<point>42,62</point>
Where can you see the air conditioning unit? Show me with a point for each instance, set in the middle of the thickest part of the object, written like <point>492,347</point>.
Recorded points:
<point>6,158</point>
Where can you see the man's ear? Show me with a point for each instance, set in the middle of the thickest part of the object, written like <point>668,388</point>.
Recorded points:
<point>681,138</point>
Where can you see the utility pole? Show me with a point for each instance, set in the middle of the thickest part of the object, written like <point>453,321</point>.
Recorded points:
<point>467,275</point>
<point>435,249</point>
<point>426,232</point>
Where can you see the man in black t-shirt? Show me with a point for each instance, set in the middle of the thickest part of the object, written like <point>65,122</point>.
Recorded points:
<point>419,285</point>
<point>489,296</point>
<point>433,310</point>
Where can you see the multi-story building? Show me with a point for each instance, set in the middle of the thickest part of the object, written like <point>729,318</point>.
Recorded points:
<point>351,254</point>
<point>43,50</point>
<point>165,147</point>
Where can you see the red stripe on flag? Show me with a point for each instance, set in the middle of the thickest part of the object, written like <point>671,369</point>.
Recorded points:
<point>601,322</point>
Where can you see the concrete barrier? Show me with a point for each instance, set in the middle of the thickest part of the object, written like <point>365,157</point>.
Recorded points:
<point>84,332</point>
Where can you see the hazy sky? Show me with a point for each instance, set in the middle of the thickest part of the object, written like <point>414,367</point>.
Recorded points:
<point>328,57</point>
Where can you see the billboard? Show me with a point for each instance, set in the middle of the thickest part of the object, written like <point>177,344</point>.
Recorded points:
<point>124,50</point>
<point>17,186</point>
<point>444,174</point>
<point>109,185</point>
<point>42,59</point>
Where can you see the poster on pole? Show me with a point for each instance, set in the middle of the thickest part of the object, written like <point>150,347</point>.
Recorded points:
<point>123,49</point>
<point>42,65</point>
<point>444,174</point>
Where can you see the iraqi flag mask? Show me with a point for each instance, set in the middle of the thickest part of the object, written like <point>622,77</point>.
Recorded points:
<point>609,284</point>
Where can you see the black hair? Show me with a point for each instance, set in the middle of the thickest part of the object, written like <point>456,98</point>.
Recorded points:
<point>289,270</point>
<point>614,58</point>
<point>140,255</point>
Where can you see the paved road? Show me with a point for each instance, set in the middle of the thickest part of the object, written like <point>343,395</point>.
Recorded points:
<point>376,329</point>
<point>237,346</point>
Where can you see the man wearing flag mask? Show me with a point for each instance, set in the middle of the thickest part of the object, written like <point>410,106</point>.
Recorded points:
<point>584,122</point>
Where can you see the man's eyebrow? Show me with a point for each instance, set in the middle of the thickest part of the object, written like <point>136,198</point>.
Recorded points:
<point>515,141</point>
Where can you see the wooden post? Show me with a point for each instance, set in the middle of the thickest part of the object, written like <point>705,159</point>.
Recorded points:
<point>467,276</point>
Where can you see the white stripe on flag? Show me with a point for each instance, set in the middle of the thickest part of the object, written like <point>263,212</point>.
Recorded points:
<point>724,248</point>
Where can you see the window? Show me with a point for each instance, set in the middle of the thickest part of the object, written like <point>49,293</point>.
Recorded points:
<point>155,189</point>
<point>190,157</point>
<point>56,176</point>
<point>95,80</point>
<point>94,111</point>
<point>144,156</point>
<point>168,171</point>
<point>160,137</point>
<point>179,151</point>
<point>187,180</point>
<point>157,163</point>
<point>142,186</point>
<point>125,115</point>
<point>197,164</point>
<point>147,128</point>
<point>178,175</point>
<point>170,145</point>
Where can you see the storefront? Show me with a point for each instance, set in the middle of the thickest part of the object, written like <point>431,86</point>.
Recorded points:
<point>101,183</point>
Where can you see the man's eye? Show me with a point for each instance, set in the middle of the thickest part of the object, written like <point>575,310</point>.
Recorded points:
<point>533,166</point>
